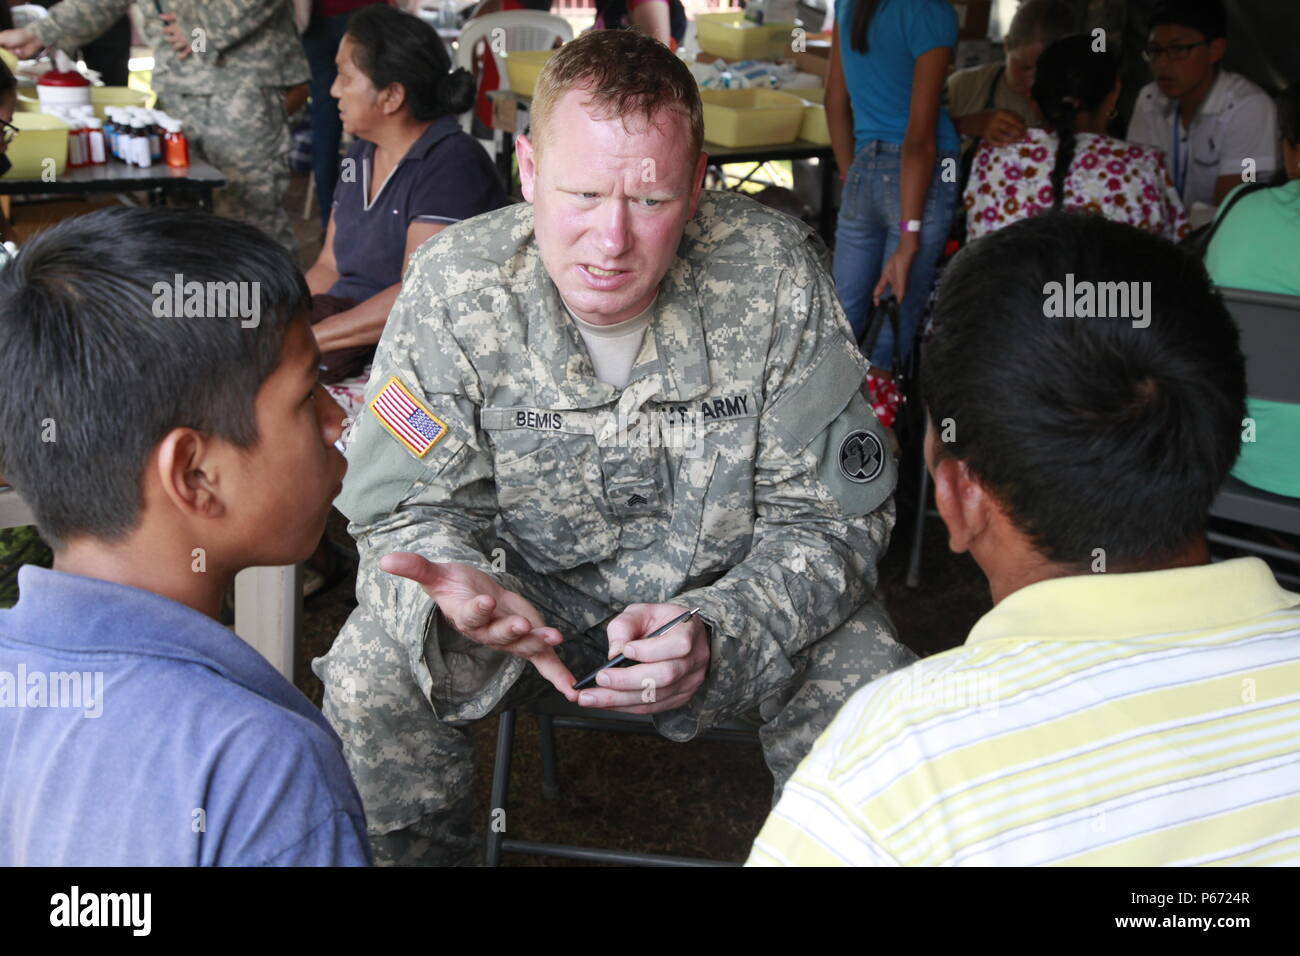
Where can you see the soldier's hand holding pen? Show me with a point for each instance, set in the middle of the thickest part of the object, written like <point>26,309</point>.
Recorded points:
<point>477,606</point>
<point>668,669</point>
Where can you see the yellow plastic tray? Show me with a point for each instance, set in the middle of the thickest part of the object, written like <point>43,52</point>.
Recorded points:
<point>751,117</point>
<point>100,97</point>
<point>722,35</point>
<point>524,67</point>
<point>40,137</point>
<point>814,128</point>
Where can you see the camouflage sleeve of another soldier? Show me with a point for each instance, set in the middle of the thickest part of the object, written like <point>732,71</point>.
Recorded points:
<point>420,480</point>
<point>73,23</point>
<point>823,494</point>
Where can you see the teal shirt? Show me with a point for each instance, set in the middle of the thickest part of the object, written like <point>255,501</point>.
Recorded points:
<point>1258,247</point>
<point>880,81</point>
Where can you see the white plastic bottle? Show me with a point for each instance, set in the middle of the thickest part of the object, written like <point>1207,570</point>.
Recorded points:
<point>76,141</point>
<point>95,149</point>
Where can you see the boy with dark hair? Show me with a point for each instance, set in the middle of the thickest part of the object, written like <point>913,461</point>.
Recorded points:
<point>1125,702</point>
<point>161,416</point>
<point>1215,127</point>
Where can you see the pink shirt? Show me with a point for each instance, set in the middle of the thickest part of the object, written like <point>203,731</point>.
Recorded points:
<point>1119,180</point>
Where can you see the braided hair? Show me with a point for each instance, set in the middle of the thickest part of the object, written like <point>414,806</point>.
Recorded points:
<point>1070,79</point>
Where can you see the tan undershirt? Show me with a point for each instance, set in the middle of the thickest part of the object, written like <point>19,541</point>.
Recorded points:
<point>613,348</point>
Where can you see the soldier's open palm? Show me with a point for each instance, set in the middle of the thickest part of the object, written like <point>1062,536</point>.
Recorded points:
<point>475,604</point>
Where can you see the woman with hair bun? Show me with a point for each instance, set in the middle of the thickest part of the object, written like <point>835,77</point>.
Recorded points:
<point>1071,163</point>
<point>411,173</point>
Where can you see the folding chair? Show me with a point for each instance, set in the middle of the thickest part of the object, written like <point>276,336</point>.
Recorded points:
<point>1270,339</point>
<point>555,712</point>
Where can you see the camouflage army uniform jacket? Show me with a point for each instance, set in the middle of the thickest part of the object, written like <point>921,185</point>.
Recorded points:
<point>248,40</point>
<point>740,470</point>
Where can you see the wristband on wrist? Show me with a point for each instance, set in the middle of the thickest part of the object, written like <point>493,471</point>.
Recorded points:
<point>909,225</point>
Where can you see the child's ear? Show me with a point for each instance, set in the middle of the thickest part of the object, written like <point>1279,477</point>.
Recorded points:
<point>187,470</point>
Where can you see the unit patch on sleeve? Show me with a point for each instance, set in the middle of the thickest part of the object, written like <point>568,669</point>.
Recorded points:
<point>407,419</point>
<point>862,457</point>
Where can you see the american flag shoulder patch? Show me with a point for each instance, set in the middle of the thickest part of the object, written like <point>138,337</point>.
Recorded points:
<point>406,418</point>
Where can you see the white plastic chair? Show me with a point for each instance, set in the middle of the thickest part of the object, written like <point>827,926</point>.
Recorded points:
<point>523,30</point>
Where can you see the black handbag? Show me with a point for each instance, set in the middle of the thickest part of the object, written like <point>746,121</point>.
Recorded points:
<point>886,311</point>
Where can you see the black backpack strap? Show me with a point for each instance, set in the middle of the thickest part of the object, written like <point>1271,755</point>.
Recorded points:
<point>1201,243</point>
<point>993,90</point>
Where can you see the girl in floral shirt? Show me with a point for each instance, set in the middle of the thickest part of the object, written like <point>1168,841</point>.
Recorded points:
<point>1072,164</point>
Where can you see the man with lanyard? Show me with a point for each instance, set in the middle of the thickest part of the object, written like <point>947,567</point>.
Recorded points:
<point>1217,128</point>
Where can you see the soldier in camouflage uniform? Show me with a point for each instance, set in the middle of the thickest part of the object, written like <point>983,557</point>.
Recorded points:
<point>226,84</point>
<point>740,470</point>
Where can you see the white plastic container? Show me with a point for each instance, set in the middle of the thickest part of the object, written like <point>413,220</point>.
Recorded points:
<point>59,88</point>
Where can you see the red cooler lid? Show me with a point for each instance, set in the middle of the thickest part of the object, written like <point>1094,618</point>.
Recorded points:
<point>63,78</point>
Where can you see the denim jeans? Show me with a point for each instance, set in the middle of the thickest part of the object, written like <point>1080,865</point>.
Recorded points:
<point>321,43</point>
<point>867,235</point>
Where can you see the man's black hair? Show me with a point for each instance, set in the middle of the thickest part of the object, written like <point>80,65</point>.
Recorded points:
<point>92,378</point>
<point>1090,432</point>
<point>1205,16</point>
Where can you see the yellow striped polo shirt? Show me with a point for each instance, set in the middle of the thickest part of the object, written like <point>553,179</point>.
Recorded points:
<point>1096,720</point>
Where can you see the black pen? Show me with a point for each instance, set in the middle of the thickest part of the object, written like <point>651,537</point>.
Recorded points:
<point>621,660</point>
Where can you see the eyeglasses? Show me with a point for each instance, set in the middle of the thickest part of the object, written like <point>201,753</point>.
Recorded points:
<point>7,132</point>
<point>1175,51</point>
